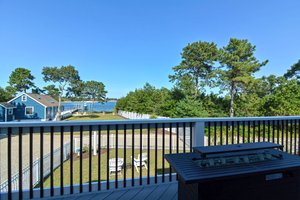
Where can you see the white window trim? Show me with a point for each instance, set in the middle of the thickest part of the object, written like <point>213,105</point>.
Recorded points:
<point>25,98</point>
<point>31,108</point>
<point>10,111</point>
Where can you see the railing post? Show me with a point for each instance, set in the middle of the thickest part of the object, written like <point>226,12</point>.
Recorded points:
<point>198,134</point>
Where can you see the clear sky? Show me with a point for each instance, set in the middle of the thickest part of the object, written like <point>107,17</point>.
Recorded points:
<point>125,44</point>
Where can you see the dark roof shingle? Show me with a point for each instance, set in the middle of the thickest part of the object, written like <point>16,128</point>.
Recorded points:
<point>7,105</point>
<point>46,100</point>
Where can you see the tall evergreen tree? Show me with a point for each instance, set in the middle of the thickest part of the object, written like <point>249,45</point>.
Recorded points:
<point>238,64</point>
<point>21,79</point>
<point>197,63</point>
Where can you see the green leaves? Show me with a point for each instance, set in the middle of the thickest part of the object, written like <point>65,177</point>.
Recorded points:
<point>238,64</point>
<point>21,79</point>
<point>196,66</point>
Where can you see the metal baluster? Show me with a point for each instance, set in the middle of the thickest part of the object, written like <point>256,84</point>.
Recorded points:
<point>99,157</point>
<point>124,180</point>
<point>71,158</point>
<point>227,132</point>
<point>41,162</point>
<point>61,160</point>
<point>208,133</point>
<point>90,158</point>
<point>163,153</point>
<point>20,163</point>
<point>238,132</point>
<point>155,178</point>
<point>141,140</point>
<point>117,156</point>
<point>215,133</point>
<point>253,138</point>
<point>268,130</point>
<point>248,124</point>
<point>31,162</point>
<point>258,131</point>
<point>243,131</point>
<point>170,152</point>
<point>107,159</point>
<point>295,137</point>
<point>191,137</point>
<point>9,133</point>
<point>148,154</point>
<point>132,157</point>
<point>221,133</point>
<point>80,160</point>
<point>184,135</point>
<point>232,132</point>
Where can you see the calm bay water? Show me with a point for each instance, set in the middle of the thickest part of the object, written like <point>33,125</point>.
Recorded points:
<point>98,107</point>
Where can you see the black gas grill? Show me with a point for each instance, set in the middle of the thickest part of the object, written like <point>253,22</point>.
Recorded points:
<point>250,171</point>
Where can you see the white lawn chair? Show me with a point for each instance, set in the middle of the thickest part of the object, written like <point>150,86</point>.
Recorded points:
<point>138,163</point>
<point>144,157</point>
<point>115,167</point>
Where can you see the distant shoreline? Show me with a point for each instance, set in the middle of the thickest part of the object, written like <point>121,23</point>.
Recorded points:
<point>88,101</point>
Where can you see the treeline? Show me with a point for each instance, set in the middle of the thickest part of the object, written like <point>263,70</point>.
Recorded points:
<point>65,83</point>
<point>216,82</point>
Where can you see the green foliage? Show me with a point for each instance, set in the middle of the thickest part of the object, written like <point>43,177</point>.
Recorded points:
<point>94,90</point>
<point>5,95</point>
<point>196,67</point>
<point>190,107</point>
<point>238,66</point>
<point>294,71</point>
<point>284,101</point>
<point>21,79</point>
<point>64,77</point>
<point>52,90</point>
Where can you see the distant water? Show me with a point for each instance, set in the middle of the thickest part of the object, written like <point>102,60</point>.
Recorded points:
<point>98,107</point>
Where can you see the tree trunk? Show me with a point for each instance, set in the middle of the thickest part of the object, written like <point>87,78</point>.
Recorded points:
<point>232,95</point>
<point>93,105</point>
<point>196,86</point>
<point>59,109</point>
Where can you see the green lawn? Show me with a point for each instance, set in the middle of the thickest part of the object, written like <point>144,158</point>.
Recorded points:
<point>103,168</point>
<point>96,116</point>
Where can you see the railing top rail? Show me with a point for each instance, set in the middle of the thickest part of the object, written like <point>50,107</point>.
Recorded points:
<point>140,121</point>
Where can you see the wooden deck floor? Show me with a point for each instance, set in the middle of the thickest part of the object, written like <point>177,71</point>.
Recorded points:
<point>149,192</point>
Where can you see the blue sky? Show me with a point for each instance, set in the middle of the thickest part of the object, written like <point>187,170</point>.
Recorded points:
<point>125,44</point>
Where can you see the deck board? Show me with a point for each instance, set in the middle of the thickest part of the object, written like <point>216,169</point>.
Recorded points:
<point>148,192</point>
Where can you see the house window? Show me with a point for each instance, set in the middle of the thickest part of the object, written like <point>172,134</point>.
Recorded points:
<point>10,111</point>
<point>29,111</point>
<point>24,98</point>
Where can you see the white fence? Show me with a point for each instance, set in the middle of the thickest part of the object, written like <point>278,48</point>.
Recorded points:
<point>133,115</point>
<point>36,177</point>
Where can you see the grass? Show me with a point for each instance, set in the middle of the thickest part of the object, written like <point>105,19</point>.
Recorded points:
<point>96,116</point>
<point>103,168</point>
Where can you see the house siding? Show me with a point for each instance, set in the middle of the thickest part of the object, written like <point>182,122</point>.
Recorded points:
<point>19,111</point>
<point>2,114</point>
<point>51,112</point>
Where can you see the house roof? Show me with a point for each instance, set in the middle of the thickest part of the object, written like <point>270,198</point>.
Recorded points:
<point>6,105</point>
<point>46,100</point>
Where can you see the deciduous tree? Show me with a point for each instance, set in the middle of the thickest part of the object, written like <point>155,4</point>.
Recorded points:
<point>63,76</point>
<point>95,91</point>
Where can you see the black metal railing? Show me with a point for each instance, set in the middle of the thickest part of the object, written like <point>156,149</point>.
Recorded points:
<point>58,158</point>
<point>101,156</point>
<point>284,132</point>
